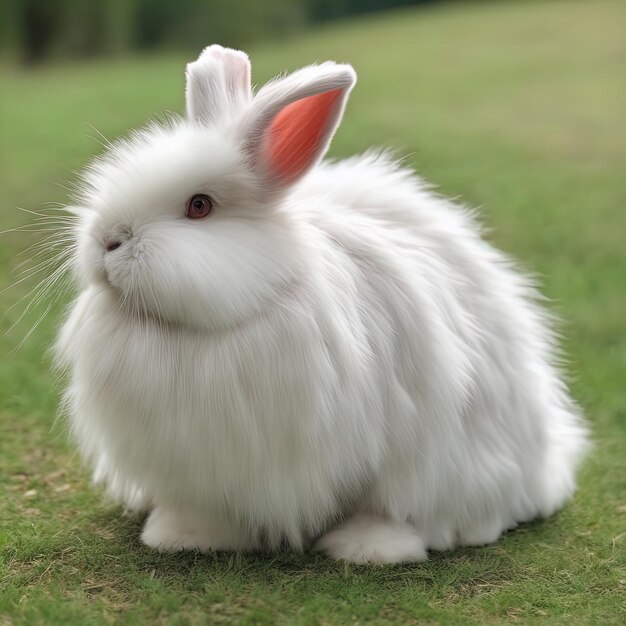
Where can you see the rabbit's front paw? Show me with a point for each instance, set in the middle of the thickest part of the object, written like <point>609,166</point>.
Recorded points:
<point>169,531</point>
<point>371,539</point>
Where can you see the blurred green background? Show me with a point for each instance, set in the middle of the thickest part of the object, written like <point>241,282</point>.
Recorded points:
<point>516,108</point>
<point>37,30</point>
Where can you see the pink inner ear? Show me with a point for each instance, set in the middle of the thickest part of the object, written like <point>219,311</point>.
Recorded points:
<point>296,132</point>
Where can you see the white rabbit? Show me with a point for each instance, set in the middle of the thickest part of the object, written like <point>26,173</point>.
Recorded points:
<point>270,351</point>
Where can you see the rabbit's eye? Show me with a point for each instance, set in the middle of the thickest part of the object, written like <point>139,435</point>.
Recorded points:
<point>198,206</point>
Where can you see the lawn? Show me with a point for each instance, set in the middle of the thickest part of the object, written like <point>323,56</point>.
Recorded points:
<point>519,109</point>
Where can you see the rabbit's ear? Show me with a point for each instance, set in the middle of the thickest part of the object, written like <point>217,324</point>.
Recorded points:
<point>217,84</point>
<point>293,119</point>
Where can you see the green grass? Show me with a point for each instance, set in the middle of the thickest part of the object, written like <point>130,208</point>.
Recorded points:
<point>517,108</point>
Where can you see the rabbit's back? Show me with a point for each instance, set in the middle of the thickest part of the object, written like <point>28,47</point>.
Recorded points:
<point>479,423</point>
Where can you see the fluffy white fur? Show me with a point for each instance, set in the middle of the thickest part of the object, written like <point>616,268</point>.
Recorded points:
<point>345,355</point>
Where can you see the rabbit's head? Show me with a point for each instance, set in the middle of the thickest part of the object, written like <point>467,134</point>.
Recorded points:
<point>187,222</point>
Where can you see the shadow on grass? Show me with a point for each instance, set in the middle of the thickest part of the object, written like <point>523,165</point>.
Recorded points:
<point>96,560</point>
<point>491,561</point>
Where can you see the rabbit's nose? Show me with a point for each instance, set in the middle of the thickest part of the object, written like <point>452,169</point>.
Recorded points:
<point>113,244</point>
<point>117,238</point>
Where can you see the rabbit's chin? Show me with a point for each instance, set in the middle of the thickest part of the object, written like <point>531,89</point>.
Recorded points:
<point>137,310</point>
<point>142,307</point>
<point>133,308</point>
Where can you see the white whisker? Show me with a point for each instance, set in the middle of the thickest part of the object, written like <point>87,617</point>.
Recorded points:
<point>51,255</point>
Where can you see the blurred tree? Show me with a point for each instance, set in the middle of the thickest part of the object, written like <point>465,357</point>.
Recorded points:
<point>38,29</point>
<point>80,32</point>
<point>94,27</point>
<point>154,18</point>
<point>193,23</point>
<point>9,26</point>
<point>35,23</point>
<point>120,19</point>
<point>332,9</point>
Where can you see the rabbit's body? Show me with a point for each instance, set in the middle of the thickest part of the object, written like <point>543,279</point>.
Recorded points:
<point>391,377</point>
